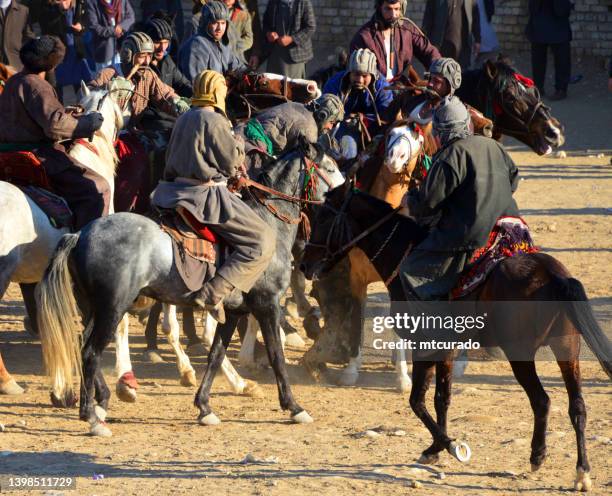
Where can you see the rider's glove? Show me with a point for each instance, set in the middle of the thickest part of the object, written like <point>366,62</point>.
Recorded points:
<point>181,106</point>
<point>88,124</point>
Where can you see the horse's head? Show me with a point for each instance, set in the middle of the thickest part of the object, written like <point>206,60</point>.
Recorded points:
<point>102,101</point>
<point>320,174</point>
<point>518,109</point>
<point>330,231</point>
<point>403,145</point>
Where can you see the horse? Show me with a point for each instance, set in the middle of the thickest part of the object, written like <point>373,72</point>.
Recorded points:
<point>6,71</point>
<point>250,92</point>
<point>100,272</point>
<point>28,238</point>
<point>349,219</point>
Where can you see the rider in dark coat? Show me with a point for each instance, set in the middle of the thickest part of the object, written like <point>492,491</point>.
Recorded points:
<point>469,186</point>
<point>34,119</point>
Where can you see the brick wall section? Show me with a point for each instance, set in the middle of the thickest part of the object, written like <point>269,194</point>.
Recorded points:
<point>339,19</point>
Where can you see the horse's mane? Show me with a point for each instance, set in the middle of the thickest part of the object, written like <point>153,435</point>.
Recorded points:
<point>471,80</point>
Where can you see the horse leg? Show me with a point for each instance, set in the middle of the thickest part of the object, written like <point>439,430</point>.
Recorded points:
<point>151,354</point>
<point>223,336</point>
<point>103,393</point>
<point>422,373</point>
<point>8,385</point>
<point>350,374</point>
<point>195,346</point>
<point>246,356</point>
<point>126,380</point>
<point>402,378</point>
<point>233,378</point>
<point>269,320</point>
<point>570,370</point>
<point>30,321</point>
<point>170,327</point>
<point>527,377</point>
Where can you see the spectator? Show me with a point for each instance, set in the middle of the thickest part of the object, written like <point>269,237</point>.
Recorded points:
<point>109,20</point>
<point>209,48</point>
<point>15,31</point>
<point>253,55</point>
<point>489,45</point>
<point>394,40</point>
<point>173,8</point>
<point>549,26</point>
<point>191,25</point>
<point>288,26</point>
<point>451,25</point>
<point>65,19</point>
<point>162,64</point>
<point>240,31</point>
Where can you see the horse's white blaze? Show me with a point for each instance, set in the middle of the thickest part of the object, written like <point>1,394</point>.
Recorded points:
<point>403,146</point>
<point>170,327</point>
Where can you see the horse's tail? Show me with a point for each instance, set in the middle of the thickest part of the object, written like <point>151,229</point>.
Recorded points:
<point>581,315</point>
<point>58,321</point>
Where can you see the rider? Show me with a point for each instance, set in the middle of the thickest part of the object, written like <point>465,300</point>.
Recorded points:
<point>209,48</point>
<point>444,77</point>
<point>468,187</point>
<point>283,126</point>
<point>162,64</point>
<point>34,119</point>
<point>136,77</point>
<point>362,90</point>
<point>202,154</point>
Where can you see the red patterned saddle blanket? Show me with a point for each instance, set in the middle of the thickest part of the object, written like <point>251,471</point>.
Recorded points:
<point>510,236</point>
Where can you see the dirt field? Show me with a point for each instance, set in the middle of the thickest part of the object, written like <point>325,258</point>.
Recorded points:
<point>158,448</point>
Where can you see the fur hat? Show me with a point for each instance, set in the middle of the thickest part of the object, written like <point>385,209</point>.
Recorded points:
<point>42,54</point>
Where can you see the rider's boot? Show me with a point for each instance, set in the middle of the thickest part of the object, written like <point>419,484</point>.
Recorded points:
<point>212,295</point>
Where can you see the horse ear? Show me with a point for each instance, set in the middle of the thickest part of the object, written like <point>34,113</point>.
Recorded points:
<point>84,89</point>
<point>490,69</point>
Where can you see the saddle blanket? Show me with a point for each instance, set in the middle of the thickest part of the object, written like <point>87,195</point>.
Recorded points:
<point>194,247</point>
<point>510,236</point>
<point>23,169</point>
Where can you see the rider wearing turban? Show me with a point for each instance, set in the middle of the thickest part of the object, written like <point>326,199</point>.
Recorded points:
<point>202,155</point>
<point>468,187</point>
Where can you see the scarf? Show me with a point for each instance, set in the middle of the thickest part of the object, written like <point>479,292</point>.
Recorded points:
<point>255,132</point>
<point>114,10</point>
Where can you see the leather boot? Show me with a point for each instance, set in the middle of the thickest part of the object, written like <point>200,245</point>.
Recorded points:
<point>212,295</point>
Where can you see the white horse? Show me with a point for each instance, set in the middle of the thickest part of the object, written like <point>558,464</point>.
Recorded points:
<point>27,238</point>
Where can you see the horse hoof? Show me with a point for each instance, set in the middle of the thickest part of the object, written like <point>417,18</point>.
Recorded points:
<point>99,429</point>
<point>210,419</point>
<point>583,481</point>
<point>188,379</point>
<point>100,413</point>
<point>348,379</point>
<point>302,418</point>
<point>294,340</point>
<point>11,387</point>
<point>461,451</point>
<point>535,467</point>
<point>404,385</point>
<point>253,390</point>
<point>151,356</point>
<point>196,350</point>
<point>125,393</point>
<point>69,400</point>
<point>428,459</point>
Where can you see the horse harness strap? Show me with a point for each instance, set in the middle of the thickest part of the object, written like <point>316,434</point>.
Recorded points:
<point>395,272</point>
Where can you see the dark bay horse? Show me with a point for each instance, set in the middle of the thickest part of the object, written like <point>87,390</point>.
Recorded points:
<point>96,275</point>
<point>350,218</point>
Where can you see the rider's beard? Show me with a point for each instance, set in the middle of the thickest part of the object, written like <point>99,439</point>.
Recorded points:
<point>358,86</point>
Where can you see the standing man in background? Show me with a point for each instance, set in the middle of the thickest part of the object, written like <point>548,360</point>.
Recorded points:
<point>288,26</point>
<point>240,30</point>
<point>15,31</point>
<point>454,27</point>
<point>549,26</point>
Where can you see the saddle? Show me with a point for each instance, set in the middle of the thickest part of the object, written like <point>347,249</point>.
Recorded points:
<point>509,237</point>
<point>24,170</point>
<point>194,246</point>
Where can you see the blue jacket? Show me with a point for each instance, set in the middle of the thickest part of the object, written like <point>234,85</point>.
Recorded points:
<point>360,101</point>
<point>200,53</point>
<point>105,44</point>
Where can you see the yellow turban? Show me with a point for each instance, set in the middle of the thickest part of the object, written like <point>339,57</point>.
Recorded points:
<point>209,90</point>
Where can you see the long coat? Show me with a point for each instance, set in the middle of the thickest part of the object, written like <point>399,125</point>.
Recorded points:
<point>105,43</point>
<point>16,32</point>
<point>549,21</point>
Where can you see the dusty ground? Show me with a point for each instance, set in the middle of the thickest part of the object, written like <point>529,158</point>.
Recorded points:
<point>158,448</point>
